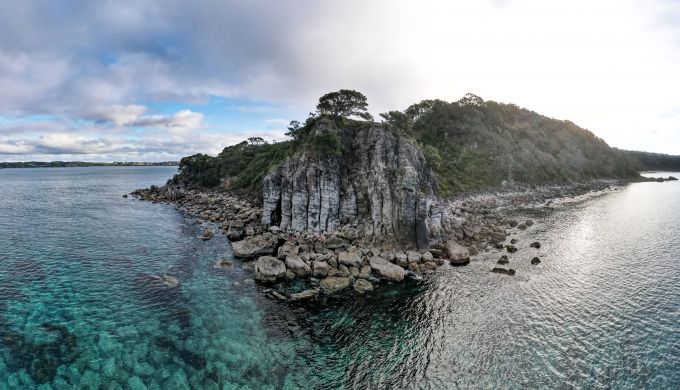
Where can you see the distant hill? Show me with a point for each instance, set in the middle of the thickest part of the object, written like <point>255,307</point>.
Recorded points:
<point>470,145</point>
<point>647,161</point>
<point>72,164</point>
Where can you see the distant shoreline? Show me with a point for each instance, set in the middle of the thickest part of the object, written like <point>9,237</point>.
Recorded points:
<point>80,164</point>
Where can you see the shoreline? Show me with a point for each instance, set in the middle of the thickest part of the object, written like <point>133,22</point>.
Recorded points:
<point>325,264</point>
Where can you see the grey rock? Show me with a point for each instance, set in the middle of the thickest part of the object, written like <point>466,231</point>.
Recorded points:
<point>320,269</point>
<point>401,260</point>
<point>351,257</point>
<point>363,286</point>
<point>458,254</point>
<point>297,265</point>
<point>334,284</point>
<point>268,269</point>
<point>305,295</point>
<point>386,269</point>
<point>413,257</point>
<point>504,271</point>
<point>255,246</point>
<point>427,256</point>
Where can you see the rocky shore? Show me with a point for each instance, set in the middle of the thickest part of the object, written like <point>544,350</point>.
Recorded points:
<point>346,260</point>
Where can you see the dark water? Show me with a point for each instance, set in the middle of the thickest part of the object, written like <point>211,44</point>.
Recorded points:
<point>81,303</point>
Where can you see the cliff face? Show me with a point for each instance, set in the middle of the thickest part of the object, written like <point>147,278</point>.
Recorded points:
<point>379,186</point>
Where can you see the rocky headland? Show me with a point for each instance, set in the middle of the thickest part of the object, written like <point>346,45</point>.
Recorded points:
<point>345,204</point>
<point>367,217</point>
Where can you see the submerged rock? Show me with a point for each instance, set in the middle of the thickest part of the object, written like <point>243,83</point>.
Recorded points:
<point>386,269</point>
<point>254,246</point>
<point>208,234</point>
<point>170,281</point>
<point>268,269</point>
<point>535,244</point>
<point>305,295</point>
<point>503,260</point>
<point>222,264</point>
<point>511,248</point>
<point>535,261</point>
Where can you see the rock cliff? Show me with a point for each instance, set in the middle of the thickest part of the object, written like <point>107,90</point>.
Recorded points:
<point>380,186</point>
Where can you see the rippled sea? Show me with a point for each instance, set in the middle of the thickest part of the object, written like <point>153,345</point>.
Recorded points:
<point>82,305</point>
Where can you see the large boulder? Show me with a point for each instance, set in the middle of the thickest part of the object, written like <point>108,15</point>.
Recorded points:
<point>386,269</point>
<point>351,258</point>
<point>297,265</point>
<point>458,254</point>
<point>268,269</point>
<point>334,284</point>
<point>254,246</point>
<point>320,269</point>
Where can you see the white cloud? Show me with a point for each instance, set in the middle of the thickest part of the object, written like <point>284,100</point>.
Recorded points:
<point>610,66</point>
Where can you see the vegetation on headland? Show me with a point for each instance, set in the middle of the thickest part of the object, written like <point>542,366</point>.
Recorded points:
<point>470,144</point>
<point>73,164</point>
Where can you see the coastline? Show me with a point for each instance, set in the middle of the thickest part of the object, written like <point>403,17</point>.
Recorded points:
<point>327,264</point>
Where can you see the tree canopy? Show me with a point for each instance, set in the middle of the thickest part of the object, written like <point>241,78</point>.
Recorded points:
<point>344,103</point>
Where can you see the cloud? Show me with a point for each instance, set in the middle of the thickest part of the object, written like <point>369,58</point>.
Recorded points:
<point>179,122</point>
<point>611,66</point>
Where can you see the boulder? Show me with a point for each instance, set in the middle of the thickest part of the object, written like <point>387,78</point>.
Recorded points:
<point>334,284</point>
<point>535,244</point>
<point>320,269</point>
<point>363,286</point>
<point>414,267</point>
<point>342,271</point>
<point>529,222</point>
<point>254,246</point>
<point>235,231</point>
<point>473,250</point>
<point>401,260</point>
<point>365,271</point>
<point>535,261</point>
<point>268,269</point>
<point>208,234</point>
<point>503,271</point>
<point>522,227</point>
<point>511,248</point>
<point>427,256</point>
<point>413,257</point>
<point>429,265</point>
<point>297,265</point>
<point>458,254</point>
<point>288,248</point>
<point>351,257</point>
<point>513,241</point>
<point>503,260</point>
<point>386,269</point>
<point>335,242</point>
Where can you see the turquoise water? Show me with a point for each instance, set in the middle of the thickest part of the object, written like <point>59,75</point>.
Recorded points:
<point>81,303</point>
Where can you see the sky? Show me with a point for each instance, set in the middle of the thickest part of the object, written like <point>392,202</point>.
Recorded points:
<point>151,80</point>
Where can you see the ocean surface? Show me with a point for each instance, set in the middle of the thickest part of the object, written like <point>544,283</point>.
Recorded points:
<point>82,305</point>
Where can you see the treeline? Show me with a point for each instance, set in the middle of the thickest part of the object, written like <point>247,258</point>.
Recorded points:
<point>647,161</point>
<point>475,144</point>
<point>72,164</point>
<point>471,144</point>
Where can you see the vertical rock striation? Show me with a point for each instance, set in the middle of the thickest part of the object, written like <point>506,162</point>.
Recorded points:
<point>379,187</point>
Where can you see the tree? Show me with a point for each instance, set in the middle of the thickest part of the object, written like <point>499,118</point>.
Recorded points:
<point>256,141</point>
<point>344,103</point>
<point>294,130</point>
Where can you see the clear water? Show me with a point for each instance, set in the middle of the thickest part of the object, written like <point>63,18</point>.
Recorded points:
<point>80,305</point>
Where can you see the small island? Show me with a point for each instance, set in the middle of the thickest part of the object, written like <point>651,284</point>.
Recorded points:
<point>76,164</point>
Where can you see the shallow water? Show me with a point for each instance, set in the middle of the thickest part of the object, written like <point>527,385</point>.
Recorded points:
<point>80,302</point>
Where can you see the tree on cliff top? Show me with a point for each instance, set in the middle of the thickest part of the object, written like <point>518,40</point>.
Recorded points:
<point>344,103</point>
